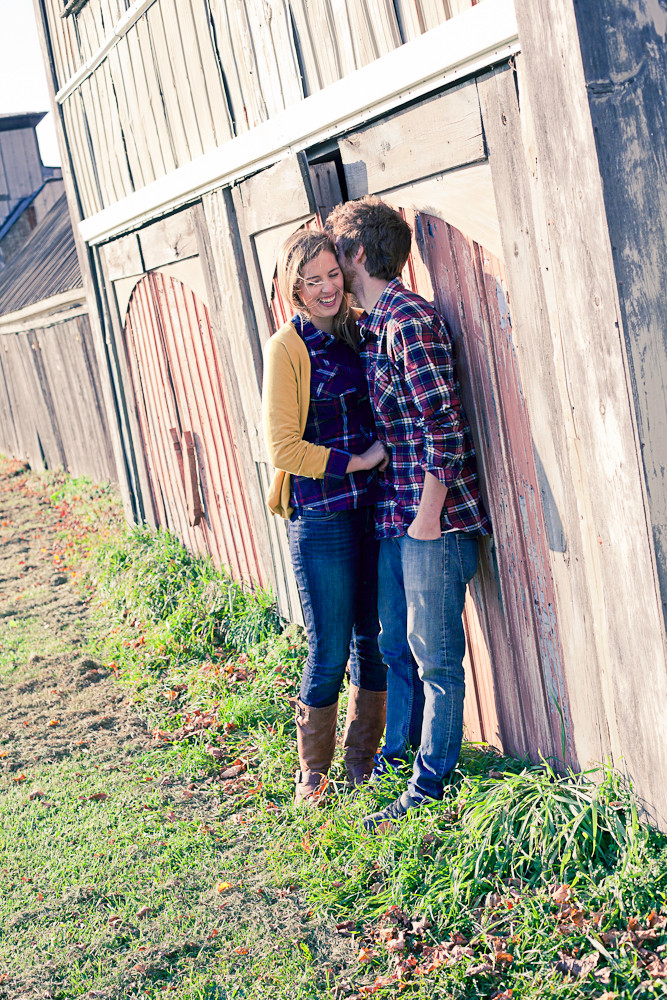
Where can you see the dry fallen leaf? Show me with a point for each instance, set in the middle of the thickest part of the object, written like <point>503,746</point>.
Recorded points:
<point>479,970</point>
<point>420,925</point>
<point>241,951</point>
<point>578,968</point>
<point>233,771</point>
<point>224,886</point>
<point>657,968</point>
<point>345,927</point>
<point>142,913</point>
<point>561,894</point>
<point>98,797</point>
<point>396,943</point>
<point>36,794</point>
<point>366,955</point>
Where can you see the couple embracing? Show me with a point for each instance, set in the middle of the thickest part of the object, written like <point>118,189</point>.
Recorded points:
<point>377,477</point>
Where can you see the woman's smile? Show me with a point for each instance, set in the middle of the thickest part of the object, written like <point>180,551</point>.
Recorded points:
<point>321,289</point>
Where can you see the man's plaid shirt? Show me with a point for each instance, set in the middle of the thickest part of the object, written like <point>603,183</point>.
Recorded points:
<point>408,360</point>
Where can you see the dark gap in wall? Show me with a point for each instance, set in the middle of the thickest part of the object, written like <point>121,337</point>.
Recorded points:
<point>298,51</point>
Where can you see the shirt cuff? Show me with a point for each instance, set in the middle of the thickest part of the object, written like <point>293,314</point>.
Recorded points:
<point>447,476</point>
<point>336,466</point>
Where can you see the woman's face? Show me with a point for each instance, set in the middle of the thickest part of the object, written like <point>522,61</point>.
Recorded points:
<point>321,289</point>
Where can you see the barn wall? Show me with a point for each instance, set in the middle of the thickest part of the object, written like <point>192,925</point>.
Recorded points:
<point>20,167</point>
<point>51,409</point>
<point>624,52</point>
<point>130,120</point>
<point>575,375</point>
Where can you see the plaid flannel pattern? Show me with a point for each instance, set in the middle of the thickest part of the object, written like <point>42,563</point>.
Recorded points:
<point>339,417</point>
<point>408,359</point>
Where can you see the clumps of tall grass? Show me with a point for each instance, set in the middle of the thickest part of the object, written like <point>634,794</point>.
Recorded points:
<point>150,575</point>
<point>526,824</point>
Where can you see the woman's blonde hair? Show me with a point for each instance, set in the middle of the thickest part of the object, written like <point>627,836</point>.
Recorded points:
<point>297,251</point>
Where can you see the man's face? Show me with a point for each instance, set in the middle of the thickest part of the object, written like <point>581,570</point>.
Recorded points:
<point>350,268</point>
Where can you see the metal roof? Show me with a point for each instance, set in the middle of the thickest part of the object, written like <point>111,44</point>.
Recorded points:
<point>29,119</point>
<point>46,265</point>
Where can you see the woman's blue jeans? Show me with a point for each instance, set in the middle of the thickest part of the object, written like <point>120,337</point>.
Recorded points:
<point>422,594</point>
<point>335,560</point>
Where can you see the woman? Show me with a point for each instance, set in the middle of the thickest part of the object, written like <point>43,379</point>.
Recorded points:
<point>321,437</point>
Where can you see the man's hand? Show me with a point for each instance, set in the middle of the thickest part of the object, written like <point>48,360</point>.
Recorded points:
<point>425,529</point>
<point>376,455</point>
<point>426,525</point>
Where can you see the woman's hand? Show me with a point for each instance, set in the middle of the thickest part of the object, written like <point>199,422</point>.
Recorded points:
<point>376,455</point>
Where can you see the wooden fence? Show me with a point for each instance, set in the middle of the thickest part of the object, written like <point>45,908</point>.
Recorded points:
<point>51,409</point>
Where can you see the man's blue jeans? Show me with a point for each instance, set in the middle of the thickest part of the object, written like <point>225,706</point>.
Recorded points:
<point>335,559</point>
<point>422,587</point>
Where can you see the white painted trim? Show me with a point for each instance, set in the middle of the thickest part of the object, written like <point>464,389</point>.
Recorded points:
<point>55,309</point>
<point>129,18</point>
<point>465,44</point>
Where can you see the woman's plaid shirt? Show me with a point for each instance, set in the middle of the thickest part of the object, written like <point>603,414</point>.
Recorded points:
<point>409,364</point>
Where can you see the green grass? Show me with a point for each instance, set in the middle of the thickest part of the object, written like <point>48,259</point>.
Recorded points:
<point>519,874</point>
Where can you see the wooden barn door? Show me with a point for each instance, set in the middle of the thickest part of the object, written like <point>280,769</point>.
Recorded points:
<point>193,468</point>
<point>515,671</point>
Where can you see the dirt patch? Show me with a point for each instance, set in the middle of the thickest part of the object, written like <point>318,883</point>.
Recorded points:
<point>51,701</point>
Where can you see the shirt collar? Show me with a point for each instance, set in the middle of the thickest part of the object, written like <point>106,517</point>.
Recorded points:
<point>370,322</point>
<point>311,335</point>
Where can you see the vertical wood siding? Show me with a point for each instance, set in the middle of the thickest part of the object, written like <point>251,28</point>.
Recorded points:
<point>625,65</point>
<point>51,407</point>
<point>191,74</point>
<point>517,609</point>
<point>179,390</point>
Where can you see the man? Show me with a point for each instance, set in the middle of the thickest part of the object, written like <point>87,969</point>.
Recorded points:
<point>431,514</point>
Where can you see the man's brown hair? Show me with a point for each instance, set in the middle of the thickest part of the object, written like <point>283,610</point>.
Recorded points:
<point>380,230</point>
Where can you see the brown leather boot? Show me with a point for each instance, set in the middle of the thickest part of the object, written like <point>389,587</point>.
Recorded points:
<point>315,740</point>
<point>364,725</point>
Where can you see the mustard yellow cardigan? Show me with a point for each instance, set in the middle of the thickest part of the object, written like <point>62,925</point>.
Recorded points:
<point>285,402</point>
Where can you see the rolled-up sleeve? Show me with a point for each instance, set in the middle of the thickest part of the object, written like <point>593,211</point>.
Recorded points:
<point>427,367</point>
<point>336,467</point>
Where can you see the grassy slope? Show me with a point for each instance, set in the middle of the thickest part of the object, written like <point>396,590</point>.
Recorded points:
<point>521,884</point>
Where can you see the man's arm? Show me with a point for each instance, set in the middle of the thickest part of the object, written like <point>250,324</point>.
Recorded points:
<point>426,359</point>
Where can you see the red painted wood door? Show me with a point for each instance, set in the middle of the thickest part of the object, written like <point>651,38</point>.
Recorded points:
<point>191,457</point>
<point>516,689</point>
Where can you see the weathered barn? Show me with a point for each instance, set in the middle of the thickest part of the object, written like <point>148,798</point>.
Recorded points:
<point>518,139</point>
<point>51,408</point>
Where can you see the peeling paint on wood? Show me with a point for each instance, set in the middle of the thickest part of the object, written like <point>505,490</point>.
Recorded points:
<point>179,387</point>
